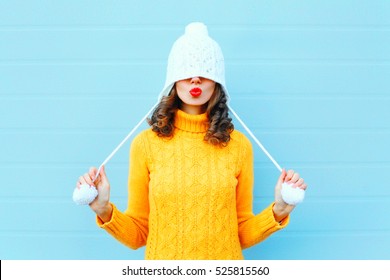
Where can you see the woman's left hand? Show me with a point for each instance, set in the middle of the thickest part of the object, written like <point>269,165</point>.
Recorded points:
<point>281,209</point>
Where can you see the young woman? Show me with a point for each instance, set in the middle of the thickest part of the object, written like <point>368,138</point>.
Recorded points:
<point>191,174</point>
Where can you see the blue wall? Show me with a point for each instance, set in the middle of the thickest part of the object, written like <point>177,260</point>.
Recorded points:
<point>311,78</point>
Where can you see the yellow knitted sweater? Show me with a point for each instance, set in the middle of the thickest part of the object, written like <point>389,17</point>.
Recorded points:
<point>189,199</point>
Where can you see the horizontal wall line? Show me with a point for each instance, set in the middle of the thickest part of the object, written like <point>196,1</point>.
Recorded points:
<point>313,199</point>
<point>136,96</point>
<point>152,96</point>
<point>258,165</point>
<point>179,27</point>
<point>54,199</point>
<point>95,62</point>
<point>314,96</point>
<point>305,61</point>
<point>163,61</point>
<point>385,232</point>
<point>83,233</point>
<point>256,130</point>
<point>342,199</point>
<point>286,233</point>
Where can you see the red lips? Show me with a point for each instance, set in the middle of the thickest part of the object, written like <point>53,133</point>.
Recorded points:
<point>195,92</point>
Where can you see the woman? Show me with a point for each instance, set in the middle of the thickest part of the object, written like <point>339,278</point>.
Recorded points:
<point>191,174</point>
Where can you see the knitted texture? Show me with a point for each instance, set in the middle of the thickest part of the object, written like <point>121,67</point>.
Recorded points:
<point>291,195</point>
<point>189,199</point>
<point>195,54</point>
<point>85,194</point>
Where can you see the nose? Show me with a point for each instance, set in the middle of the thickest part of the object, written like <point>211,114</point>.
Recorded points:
<point>196,80</point>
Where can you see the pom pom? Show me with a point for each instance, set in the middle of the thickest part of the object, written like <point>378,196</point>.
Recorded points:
<point>292,195</point>
<point>196,29</point>
<point>85,194</point>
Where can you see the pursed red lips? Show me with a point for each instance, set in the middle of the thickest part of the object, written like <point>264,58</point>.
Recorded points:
<point>195,92</point>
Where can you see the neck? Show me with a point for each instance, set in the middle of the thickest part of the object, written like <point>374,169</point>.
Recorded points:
<point>192,109</point>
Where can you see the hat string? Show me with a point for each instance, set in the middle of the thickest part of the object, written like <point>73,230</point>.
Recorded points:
<point>124,140</point>
<point>256,140</point>
<point>150,111</point>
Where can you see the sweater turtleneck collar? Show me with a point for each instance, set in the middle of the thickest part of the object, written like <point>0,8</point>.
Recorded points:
<point>191,123</point>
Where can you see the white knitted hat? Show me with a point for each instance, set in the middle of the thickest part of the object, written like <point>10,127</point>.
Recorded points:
<point>195,54</point>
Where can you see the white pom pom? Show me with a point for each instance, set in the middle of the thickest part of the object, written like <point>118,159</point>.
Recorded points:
<point>292,195</point>
<point>85,194</point>
<point>196,29</point>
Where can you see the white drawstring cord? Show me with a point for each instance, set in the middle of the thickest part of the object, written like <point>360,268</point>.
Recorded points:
<point>124,140</point>
<point>256,140</point>
<point>150,111</point>
<point>290,194</point>
<point>87,194</point>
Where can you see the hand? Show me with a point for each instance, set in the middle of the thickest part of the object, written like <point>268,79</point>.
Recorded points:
<point>282,209</point>
<point>101,205</point>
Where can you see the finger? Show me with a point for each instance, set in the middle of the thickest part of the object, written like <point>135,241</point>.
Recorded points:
<point>87,179</point>
<point>282,176</point>
<point>289,175</point>
<point>81,180</point>
<point>103,173</point>
<point>295,178</point>
<point>304,186</point>
<point>92,173</point>
<point>299,183</point>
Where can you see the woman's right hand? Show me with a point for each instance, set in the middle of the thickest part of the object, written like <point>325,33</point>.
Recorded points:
<point>101,205</point>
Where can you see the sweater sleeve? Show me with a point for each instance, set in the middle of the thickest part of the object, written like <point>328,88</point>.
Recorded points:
<point>252,229</point>
<point>131,226</point>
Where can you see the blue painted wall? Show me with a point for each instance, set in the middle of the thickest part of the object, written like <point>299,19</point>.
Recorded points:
<point>311,78</point>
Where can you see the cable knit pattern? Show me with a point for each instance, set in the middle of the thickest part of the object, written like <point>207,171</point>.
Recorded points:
<point>189,199</point>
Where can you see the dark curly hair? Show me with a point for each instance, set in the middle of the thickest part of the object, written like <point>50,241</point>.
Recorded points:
<point>220,124</point>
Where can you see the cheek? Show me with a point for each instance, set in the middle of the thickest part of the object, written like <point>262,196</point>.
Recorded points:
<point>178,87</point>
<point>210,88</point>
<point>181,88</point>
<point>209,84</point>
